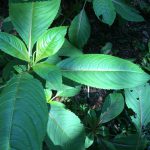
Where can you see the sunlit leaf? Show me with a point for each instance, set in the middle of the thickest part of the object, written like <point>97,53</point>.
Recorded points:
<point>103,71</point>
<point>31,19</point>
<point>65,129</point>
<point>50,42</point>
<point>13,46</point>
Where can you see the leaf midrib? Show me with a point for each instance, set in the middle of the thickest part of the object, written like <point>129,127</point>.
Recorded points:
<point>79,24</point>
<point>30,30</point>
<point>101,71</point>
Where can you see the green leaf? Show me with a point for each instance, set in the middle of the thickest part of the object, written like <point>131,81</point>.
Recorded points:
<point>13,46</point>
<point>106,145</point>
<point>105,11</point>
<point>89,140</point>
<point>58,104</point>
<point>69,50</point>
<point>50,144</point>
<point>7,25</point>
<point>129,142</point>
<point>50,73</point>
<point>103,71</point>
<point>68,91</point>
<point>54,59</point>
<point>65,129</point>
<point>8,70</point>
<point>50,42</point>
<point>23,114</point>
<point>80,29</point>
<point>31,19</point>
<point>48,94</point>
<point>112,107</point>
<point>92,119</point>
<point>138,100</point>
<point>127,12</point>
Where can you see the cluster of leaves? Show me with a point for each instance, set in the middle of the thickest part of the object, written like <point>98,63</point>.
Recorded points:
<point>43,63</point>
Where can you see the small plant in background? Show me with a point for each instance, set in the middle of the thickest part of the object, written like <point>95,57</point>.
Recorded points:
<point>46,67</point>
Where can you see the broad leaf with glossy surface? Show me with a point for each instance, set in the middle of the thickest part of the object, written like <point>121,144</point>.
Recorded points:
<point>103,71</point>
<point>65,129</point>
<point>31,19</point>
<point>50,42</point>
<point>23,114</point>
<point>13,46</point>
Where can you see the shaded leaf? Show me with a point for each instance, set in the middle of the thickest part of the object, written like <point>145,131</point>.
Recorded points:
<point>129,142</point>
<point>69,50</point>
<point>138,100</point>
<point>89,140</point>
<point>112,107</point>
<point>50,73</point>
<point>105,9</point>
<point>79,31</point>
<point>23,114</point>
<point>126,11</point>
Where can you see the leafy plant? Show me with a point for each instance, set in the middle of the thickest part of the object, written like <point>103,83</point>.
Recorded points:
<point>108,9</point>
<point>28,114</point>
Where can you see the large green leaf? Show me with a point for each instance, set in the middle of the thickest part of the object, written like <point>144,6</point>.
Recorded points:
<point>127,12</point>
<point>31,19</point>
<point>65,129</point>
<point>112,107</point>
<point>124,142</point>
<point>80,29</point>
<point>23,114</point>
<point>106,145</point>
<point>50,73</point>
<point>13,46</point>
<point>138,99</point>
<point>103,71</point>
<point>50,42</point>
<point>129,142</point>
<point>105,9</point>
